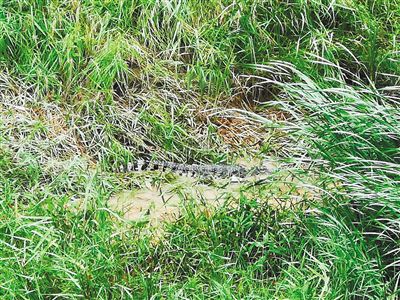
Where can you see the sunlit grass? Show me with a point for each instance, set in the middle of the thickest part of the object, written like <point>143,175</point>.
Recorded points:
<point>86,85</point>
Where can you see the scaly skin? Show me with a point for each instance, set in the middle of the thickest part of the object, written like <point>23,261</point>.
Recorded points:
<point>222,171</point>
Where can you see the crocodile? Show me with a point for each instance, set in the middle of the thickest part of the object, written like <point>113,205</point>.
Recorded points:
<point>234,172</point>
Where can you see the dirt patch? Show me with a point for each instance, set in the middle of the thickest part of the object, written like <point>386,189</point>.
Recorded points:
<point>158,204</point>
<point>166,202</point>
<point>145,204</point>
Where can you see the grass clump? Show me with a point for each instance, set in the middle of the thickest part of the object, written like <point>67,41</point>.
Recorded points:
<point>351,133</point>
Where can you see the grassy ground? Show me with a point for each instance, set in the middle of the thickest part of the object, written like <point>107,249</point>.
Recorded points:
<point>88,84</point>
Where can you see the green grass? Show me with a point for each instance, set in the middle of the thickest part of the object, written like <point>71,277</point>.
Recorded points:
<point>88,84</point>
